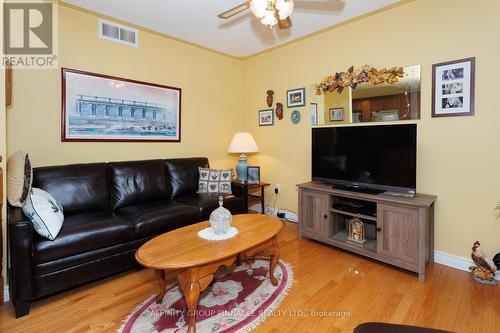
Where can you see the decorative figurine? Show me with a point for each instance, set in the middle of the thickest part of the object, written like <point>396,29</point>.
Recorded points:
<point>357,231</point>
<point>279,110</point>
<point>220,219</point>
<point>270,99</point>
<point>484,271</point>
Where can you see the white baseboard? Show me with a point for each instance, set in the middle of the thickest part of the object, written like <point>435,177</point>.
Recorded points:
<point>5,294</point>
<point>454,261</point>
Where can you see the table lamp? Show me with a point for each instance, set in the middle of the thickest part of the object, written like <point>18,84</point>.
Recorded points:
<point>242,143</point>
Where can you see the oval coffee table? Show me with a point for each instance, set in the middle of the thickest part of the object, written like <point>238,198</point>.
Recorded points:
<point>198,259</point>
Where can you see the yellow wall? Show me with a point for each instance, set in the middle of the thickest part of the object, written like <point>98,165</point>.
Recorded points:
<point>211,96</point>
<point>336,100</point>
<point>458,157</point>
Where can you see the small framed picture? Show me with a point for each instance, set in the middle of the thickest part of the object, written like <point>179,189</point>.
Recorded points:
<point>253,173</point>
<point>296,97</point>
<point>266,117</point>
<point>453,88</point>
<point>336,114</point>
<point>314,114</point>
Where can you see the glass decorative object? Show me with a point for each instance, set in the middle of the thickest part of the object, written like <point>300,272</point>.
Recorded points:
<point>220,219</point>
<point>357,231</point>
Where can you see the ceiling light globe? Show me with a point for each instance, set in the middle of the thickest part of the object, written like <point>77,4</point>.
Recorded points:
<point>258,7</point>
<point>285,8</point>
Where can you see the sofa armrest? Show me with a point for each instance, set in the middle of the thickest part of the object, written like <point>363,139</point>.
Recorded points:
<point>20,257</point>
<point>240,189</point>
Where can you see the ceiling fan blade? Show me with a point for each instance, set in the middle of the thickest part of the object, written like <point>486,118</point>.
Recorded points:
<point>234,11</point>
<point>285,24</point>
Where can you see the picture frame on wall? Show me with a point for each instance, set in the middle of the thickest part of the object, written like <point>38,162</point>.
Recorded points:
<point>104,108</point>
<point>253,174</point>
<point>314,114</point>
<point>296,97</point>
<point>266,117</point>
<point>453,86</point>
<point>336,114</point>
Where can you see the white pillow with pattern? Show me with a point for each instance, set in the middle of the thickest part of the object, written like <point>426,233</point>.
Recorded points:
<point>44,212</point>
<point>214,181</point>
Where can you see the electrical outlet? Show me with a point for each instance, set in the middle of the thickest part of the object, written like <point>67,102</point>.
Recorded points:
<point>277,188</point>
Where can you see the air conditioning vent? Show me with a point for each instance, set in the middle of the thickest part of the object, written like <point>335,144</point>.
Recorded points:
<point>118,33</point>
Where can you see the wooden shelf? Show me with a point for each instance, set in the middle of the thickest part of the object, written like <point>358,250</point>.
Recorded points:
<point>371,244</point>
<point>361,216</point>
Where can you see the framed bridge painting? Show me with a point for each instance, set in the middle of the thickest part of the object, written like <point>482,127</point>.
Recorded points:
<point>98,107</point>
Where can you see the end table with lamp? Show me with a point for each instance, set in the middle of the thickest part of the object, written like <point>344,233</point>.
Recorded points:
<point>242,143</point>
<point>251,190</point>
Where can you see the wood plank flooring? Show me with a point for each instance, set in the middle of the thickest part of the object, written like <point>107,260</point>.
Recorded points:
<point>352,288</point>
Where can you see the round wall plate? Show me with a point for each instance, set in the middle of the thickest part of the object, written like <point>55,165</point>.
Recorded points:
<point>295,116</point>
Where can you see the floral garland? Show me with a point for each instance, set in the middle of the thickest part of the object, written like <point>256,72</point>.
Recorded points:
<point>352,78</point>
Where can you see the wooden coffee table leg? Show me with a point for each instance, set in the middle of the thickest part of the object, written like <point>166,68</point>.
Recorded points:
<point>160,276</point>
<point>190,285</point>
<point>274,255</point>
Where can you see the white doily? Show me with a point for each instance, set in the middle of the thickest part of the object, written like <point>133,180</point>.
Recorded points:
<point>209,234</point>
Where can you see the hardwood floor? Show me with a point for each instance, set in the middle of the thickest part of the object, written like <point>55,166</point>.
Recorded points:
<point>325,279</point>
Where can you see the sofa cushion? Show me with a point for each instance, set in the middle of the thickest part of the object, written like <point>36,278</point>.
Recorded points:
<point>19,178</point>
<point>77,187</point>
<point>154,218</point>
<point>207,203</point>
<point>215,181</point>
<point>44,212</point>
<point>84,232</point>
<point>183,174</point>
<point>137,182</point>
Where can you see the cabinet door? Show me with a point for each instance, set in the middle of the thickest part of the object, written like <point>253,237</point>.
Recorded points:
<point>315,213</point>
<point>397,235</point>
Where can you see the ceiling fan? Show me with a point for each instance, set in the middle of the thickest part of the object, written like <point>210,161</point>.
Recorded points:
<point>270,12</point>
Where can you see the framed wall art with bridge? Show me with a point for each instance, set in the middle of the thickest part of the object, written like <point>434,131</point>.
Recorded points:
<point>98,107</point>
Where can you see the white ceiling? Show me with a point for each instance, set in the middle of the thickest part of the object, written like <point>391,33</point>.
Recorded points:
<point>196,21</point>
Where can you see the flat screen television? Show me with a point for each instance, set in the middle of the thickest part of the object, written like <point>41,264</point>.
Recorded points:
<point>380,158</point>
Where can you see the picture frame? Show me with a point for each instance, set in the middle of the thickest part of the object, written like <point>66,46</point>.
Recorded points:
<point>314,114</point>
<point>104,108</point>
<point>453,88</point>
<point>253,174</point>
<point>296,97</point>
<point>266,117</point>
<point>336,114</point>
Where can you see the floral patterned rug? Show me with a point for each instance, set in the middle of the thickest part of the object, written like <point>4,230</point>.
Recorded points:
<point>238,300</point>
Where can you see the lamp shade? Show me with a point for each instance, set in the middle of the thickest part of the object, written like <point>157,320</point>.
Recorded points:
<point>243,142</point>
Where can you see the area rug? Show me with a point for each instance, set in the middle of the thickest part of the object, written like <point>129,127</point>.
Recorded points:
<point>239,299</point>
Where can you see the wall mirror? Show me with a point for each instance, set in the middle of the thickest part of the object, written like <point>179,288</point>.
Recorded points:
<point>369,102</point>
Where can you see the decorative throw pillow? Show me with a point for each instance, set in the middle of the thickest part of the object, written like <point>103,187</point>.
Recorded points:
<point>44,212</point>
<point>215,181</point>
<point>19,178</point>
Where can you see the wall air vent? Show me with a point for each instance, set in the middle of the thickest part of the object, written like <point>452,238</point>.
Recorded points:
<point>118,33</point>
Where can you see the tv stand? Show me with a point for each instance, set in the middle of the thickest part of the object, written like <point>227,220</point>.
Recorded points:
<point>399,230</point>
<point>357,189</point>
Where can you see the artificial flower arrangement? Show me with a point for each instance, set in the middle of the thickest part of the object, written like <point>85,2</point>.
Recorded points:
<point>352,78</point>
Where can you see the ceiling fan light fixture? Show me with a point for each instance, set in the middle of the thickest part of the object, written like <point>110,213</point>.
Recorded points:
<point>258,7</point>
<point>269,18</point>
<point>285,8</point>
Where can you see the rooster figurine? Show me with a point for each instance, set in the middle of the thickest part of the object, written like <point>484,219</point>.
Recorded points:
<point>484,271</point>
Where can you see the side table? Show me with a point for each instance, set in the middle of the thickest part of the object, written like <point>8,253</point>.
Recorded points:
<point>255,192</point>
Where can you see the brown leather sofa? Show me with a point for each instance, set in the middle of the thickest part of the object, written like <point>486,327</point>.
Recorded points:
<point>110,210</point>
